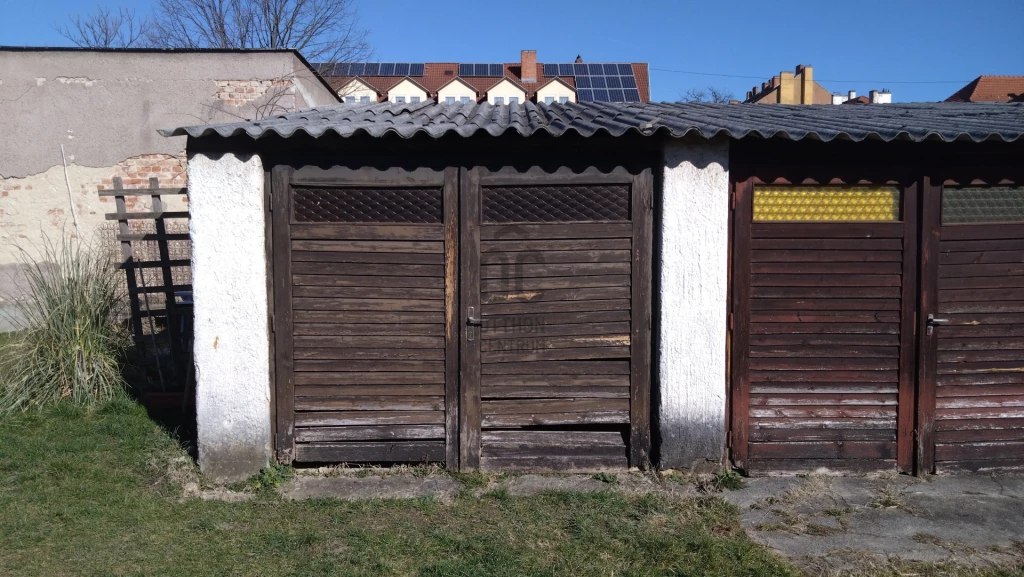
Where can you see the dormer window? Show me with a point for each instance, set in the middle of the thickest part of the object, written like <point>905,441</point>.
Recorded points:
<point>350,99</point>
<point>364,99</point>
<point>499,100</point>
<point>400,100</point>
<point>513,100</point>
<point>449,100</point>
<point>464,99</point>
<point>414,99</point>
<point>549,100</point>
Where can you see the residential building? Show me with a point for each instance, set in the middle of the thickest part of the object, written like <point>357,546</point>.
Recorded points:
<point>454,82</point>
<point>988,88</point>
<point>799,87</point>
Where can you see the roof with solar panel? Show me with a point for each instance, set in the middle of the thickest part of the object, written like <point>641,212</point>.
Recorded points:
<point>586,81</point>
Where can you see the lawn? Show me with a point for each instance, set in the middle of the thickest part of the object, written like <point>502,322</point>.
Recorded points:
<point>100,493</point>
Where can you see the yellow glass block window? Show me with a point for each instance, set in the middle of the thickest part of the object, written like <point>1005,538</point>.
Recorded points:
<point>826,203</point>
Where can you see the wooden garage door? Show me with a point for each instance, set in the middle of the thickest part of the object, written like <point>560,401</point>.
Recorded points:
<point>823,340</point>
<point>556,305</point>
<point>364,297</point>
<point>974,342</point>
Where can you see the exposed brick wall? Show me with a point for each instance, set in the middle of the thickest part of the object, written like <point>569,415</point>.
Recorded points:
<point>240,92</point>
<point>136,171</point>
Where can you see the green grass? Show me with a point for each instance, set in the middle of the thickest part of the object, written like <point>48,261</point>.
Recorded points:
<point>99,493</point>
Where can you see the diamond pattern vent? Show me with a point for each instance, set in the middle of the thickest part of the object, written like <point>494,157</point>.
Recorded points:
<point>392,205</point>
<point>978,205</point>
<point>584,203</point>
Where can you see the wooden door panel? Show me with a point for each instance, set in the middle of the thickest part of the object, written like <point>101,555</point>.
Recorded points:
<point>556,274</point>
<point>365,306</point>
<point>976,348</point>
<point>823,350</point>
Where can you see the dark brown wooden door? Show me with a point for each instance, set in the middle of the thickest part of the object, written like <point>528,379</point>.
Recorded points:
<point>556,320</point>
<point>364,299</point>
<point>972,403</point>
<point>824,295</point>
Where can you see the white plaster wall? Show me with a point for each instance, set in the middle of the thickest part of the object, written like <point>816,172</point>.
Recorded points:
<point>407,89</point>
<point>505,89</point>
<point>693,275</point>
<point>229,283</point>
<point>456,90</point>
<point>555,90</point>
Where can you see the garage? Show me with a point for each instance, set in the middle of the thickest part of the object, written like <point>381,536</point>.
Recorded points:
<point>876,306</point>
<point>479,317</point>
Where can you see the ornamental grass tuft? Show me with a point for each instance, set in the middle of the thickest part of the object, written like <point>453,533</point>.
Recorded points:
<point>70,347</point>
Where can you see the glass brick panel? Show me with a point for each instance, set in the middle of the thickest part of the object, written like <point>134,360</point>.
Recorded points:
<point>826,203</point>
<point>982,204</point>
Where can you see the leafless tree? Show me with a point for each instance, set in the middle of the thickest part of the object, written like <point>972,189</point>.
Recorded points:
<point>708,94</point>
<point>106,28</point>
<point>322,30</point>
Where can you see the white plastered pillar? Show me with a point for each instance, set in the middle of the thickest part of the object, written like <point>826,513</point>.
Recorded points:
<point>229,284</point>
<point>692,272</point>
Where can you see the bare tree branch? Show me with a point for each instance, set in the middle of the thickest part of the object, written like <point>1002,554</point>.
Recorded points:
<point>323,30</point>
<point>708,94</point>
<point>105,28</point>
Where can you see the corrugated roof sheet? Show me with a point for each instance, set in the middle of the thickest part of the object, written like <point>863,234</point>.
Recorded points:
<point>887,122</point>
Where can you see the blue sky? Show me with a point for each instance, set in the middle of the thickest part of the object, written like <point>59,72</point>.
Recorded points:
<point>907,46</point>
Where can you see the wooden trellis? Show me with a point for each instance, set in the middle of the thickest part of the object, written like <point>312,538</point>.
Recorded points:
<point>129,232</point>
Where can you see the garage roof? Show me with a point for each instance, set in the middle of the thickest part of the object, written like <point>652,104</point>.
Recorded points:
<point>914,122</point>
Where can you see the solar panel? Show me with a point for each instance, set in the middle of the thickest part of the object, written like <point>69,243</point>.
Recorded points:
<point>625,69</point>
<point>613,81</point>
<point>550,70</point>
<point>565,70</point>
<point>583,82</point>
<point>496,69</point>
<point>357,68</point>
<point>372,69</point>
<point>595,69</point>
<point>611,69</point>
<point>387,69</point>
<point>585,95</point>
<point>632,95</point>
<point>579,69</point>
<point>601,96</point>
<point>616,95</point>
<point>628,82</point>
<point>402,69</point>
<point>416,70</point>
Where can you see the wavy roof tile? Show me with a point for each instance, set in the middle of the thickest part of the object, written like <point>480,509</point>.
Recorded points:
<point>914,122</point>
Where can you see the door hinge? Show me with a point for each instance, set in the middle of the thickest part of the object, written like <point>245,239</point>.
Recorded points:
<point>730,321</point>
<point>728,439</point>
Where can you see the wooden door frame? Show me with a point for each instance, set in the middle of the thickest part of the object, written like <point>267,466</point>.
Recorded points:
<point>641,197</point>
<point>742,185</point>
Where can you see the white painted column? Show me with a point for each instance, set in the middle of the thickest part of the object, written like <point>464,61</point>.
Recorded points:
<point>232,341</point>
<point>693,274</point>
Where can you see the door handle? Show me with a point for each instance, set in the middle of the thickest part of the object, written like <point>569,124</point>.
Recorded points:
<point>934,322</point>
<point>474,321</point>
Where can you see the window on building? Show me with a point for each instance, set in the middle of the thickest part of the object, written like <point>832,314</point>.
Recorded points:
<point>549,100</point>
<point>464,99</point>
<point>499,100</point>
<point>563,99</point>
<point>364,99</point>
<point>400,99</point>
<point>449,100</point>
<point>414,99</point>
<point>513,100</point>
<point>350,99</point>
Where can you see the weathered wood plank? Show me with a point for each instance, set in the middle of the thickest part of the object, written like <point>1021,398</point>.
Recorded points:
<point>368,246</point>
<point>362,329</point>
<point>378,354</point>
<point>533,419</point>
<point>370,403</point>
<point>368,433</point>
<point>373,418</point>
<point>369,378</point>
<point>367,232</point>
<point>556,231</point>
<point>399,451</point>
<point>554,354</point>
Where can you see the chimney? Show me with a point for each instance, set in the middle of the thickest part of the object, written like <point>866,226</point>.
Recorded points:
<point>873,96</point>
<point>764,86</point>
<point>838,99</point>
<point>789,93</point>
<point>755,90</point>
<point>806,87</point>
<point>884,97</point>
<point>579,59</point>
<point>528,65</point>
<point>851,95</point>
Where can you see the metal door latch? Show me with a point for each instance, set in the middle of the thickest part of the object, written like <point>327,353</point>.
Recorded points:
<point>934,322</point>
<point>472,321</point>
